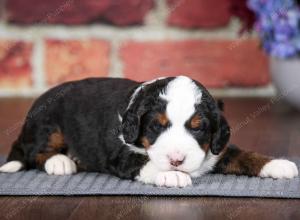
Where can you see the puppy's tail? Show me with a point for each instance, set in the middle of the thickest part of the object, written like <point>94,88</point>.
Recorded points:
<point>14,161</point>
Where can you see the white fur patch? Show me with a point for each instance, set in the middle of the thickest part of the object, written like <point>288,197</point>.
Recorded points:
<point>120,117</point>
<point>207,165</point>
<point>173,179</point>
<point>181,94</point>
<point>11,167</point>
<point>279,169</point>
<point>132,147</point>
<point>148,173</point>
<point>60,165</point>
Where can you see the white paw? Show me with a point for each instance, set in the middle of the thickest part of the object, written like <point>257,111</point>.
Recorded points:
<point>279,169</point>
<point>173,179</point>
<point>60,165</point>
<point>11,166</point>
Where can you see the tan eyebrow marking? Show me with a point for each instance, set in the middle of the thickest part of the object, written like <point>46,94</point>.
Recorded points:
<point>145,142</point>
<point>195,121</point>
<point>162,119</point>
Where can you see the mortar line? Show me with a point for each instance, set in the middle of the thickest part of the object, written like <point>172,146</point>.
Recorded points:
<point>140,33</point>
<point>38,71</point>
<point>116,66</point>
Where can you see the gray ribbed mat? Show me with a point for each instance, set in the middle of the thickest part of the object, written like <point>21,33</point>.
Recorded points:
<point>38,183</point>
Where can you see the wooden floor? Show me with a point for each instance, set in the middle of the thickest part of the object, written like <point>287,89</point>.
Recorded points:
<point>265,125</point>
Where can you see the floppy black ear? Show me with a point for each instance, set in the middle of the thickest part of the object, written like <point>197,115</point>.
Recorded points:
<point>130,127</point>
<point>142,99</point>
<point>131,118</point>
<point>221,136</point>
<point>220,127</point>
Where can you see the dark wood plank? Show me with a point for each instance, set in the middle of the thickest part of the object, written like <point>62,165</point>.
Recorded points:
<point>187,208</point>
<point>262,125</point>
<point>35,207</point>
<point>117,207</point>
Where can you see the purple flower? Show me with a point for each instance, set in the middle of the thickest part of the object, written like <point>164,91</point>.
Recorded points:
<point>283,31</point>
<point>283,50</point>
<point>294,17</point>
<point>278,25</point>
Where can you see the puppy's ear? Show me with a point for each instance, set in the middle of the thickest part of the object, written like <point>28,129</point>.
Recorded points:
<point>130,127</point>
<point>221,136</point>
<point>132,117</point>
<point>221,130</point>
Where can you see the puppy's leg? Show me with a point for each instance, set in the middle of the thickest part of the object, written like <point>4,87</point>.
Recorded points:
<point>150,174</point>
<point>15,160</point>
<point>44,149</point>
<point>11,166</point>
<point>239,162</point>
<point>60,164</point>
<point>52,158</point>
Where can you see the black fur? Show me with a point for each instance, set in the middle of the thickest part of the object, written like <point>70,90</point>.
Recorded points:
<point>87,114</point>
<point>150,127</point>
<point>239,162</point>
<point>218,125</point>
<point>220,135</point>
<point>146,100</point>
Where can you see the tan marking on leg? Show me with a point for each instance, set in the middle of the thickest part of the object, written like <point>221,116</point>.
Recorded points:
<point>41,158</point>
<point>253,161</point>
<point>56,140</point>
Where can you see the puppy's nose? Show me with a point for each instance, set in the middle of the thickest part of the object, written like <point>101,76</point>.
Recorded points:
<point>176,159</point>
<point>176,163</point>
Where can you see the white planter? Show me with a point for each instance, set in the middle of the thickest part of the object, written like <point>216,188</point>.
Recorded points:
<point>286,78</point>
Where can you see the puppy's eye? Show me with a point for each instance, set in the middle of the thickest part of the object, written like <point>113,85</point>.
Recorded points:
<point>195,122</point>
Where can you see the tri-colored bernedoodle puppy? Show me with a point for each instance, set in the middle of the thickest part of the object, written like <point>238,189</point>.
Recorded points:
<point>163,132</point>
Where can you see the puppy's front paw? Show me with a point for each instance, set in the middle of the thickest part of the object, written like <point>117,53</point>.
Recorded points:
<point>279,169</point>
<point>60,165</point>
<point>173,179</point>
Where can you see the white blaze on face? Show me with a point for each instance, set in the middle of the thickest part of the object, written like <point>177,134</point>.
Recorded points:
<point>181,94</point>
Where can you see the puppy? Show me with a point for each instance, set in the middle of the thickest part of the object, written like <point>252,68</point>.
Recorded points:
<point>161,132</point>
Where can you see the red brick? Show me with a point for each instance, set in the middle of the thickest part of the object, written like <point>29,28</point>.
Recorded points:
<point>199,13</point>
<point>215,63</point>
<point>15,65</point>
<point>127,12</point>
<point>2,9</point>
<point>75,59</point>
<point>55,11</point>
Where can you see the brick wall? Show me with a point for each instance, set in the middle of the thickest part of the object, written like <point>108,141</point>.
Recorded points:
<point>43,43</point>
